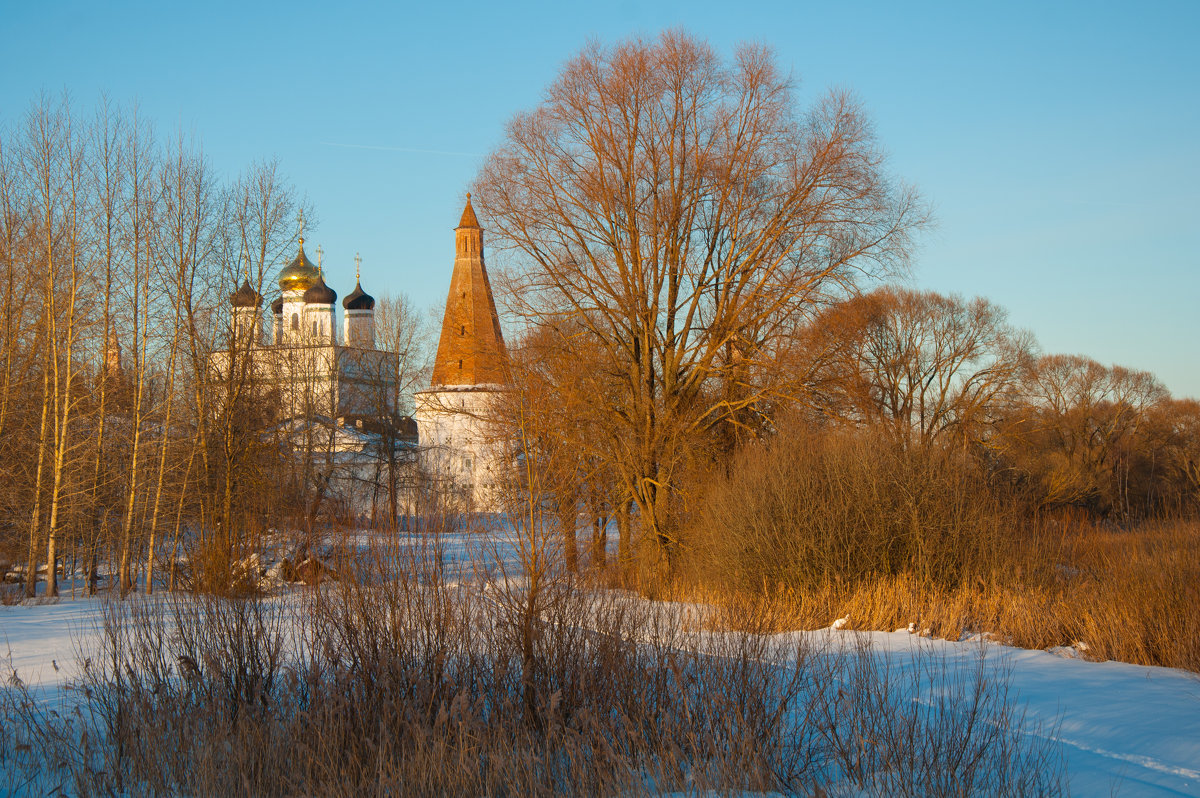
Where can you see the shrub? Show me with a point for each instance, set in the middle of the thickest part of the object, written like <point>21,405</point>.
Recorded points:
<point>814,508</point>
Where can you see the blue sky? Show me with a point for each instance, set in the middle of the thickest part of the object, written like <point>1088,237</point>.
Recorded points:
<point>1059,144</point>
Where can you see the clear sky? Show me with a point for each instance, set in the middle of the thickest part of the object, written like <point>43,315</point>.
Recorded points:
<point>1059,143</point>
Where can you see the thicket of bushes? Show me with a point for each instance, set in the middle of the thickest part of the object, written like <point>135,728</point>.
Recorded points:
<point>810,508</point>
<point>838,523</point>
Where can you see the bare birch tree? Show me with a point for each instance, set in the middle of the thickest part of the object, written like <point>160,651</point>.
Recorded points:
<point>184,242</point>
<point>137,218</point>
<point>57,154</point>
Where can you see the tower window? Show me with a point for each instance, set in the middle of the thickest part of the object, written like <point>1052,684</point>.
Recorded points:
<point>462,330</point>
<point>460,363</point>
<point>295,321</point>
<point>314,328</point>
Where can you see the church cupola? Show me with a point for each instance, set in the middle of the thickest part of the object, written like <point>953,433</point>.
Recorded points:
<point>245,297</point>
<point>318,309</point>
<point>359,309</point>
<point>319,293</point>
<point>358,299</point>
<point>245,303</point>
<point>300,274</point>
<point>296,278</point>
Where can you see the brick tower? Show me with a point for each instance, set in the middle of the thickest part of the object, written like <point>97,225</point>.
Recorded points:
<point>452,415</point>
<point>471,348</point>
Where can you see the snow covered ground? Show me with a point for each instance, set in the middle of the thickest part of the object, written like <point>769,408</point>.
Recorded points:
<point>1127,730</point>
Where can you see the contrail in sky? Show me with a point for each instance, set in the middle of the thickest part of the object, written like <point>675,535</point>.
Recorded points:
<point>400,149</point>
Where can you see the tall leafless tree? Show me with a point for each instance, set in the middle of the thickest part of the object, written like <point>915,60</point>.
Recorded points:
<point>686,213</point>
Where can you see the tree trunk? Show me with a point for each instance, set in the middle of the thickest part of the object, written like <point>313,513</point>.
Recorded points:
<point>162,455</point>
<point>624,538</point>
<point>567,516</point>
<point>35,516</point>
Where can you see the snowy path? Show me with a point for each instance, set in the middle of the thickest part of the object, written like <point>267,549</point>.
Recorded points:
<point>1128,730</point>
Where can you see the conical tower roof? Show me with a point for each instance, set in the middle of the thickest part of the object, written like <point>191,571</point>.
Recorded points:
<point>468,215</point>
<point>471,348</point>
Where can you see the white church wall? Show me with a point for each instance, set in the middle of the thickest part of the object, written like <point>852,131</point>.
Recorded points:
<point>318,326</point>
<point>457,442</point>
<point>292,317</point>
<point>359,329</point>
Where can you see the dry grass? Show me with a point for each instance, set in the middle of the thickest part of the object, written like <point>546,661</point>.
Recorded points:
<point>826,527</point>
<point>407,681</point>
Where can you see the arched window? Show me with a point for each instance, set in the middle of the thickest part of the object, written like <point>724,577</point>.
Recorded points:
<point>460,364</point>
<point>462,329</point>
<point>314,328</point>
<point>296,322</point>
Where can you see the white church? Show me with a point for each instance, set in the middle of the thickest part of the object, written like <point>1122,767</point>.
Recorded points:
<point>308,367</point>
<point>312,371</point>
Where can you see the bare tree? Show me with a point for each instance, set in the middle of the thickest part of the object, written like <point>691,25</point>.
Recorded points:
<point>137,218</point>
<point>107,166</point>
<point>403,331</point>
<point>922,366</point>
<point>110,242</point>
<point>562,392</point>
<point>686,214</point>
<point>232,407</point>
<point>1078,418</point>
<point>57,154</point>
<point>184,241</point>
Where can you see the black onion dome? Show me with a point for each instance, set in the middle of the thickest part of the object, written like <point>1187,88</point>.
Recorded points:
<point>359,299</point>
<point>320,294</point>
<point>277,306</point>
<point>245,297</point>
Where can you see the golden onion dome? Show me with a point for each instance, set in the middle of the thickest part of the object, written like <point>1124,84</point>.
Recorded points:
<point>300,274</point>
